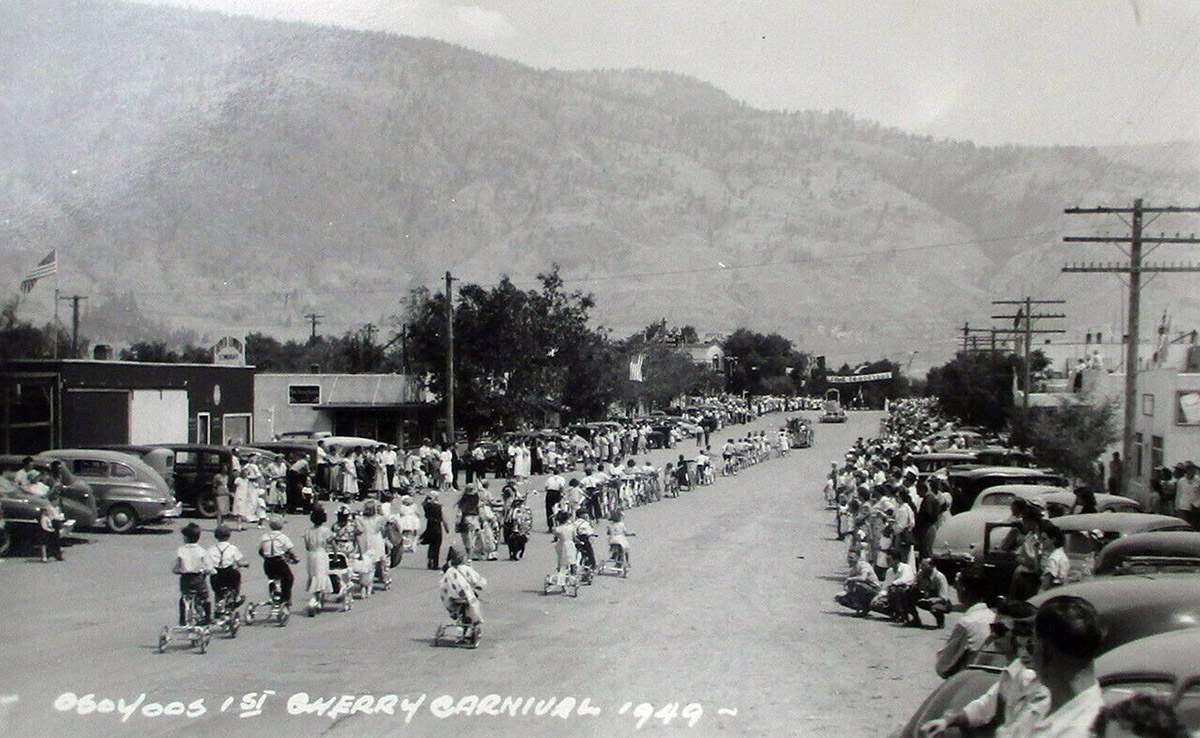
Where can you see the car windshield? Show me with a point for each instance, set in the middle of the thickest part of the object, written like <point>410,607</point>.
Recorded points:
<point>1115,692</point>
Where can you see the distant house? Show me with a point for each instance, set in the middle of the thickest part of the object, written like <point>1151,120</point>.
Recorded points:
<point>393,408</point>
<point>706,353</point>
<point>1167,422</point>
<point>1167,429</point>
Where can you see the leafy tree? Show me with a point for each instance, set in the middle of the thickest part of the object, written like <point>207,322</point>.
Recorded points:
<point>519,354</point>
<point>976,387</point>
<point>757,357</point>
<point>149,351</point>
<point>1069,438</point>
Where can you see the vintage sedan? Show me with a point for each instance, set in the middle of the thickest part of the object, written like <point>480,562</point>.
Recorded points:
<point>967,483</point>
<point>78,501</point>
<point>20,512</point>
<point>1088,535</point>
<point>1166,665</point>
<point>1055,500</point>
<point>1130,608</point>
<point>128,492</point>
<point>1156,551</point>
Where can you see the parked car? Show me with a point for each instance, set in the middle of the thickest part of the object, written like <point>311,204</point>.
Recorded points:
<point>195,465</point>
<point>308,435</point>
<point>932,463</point>
<point>1130,608</point>
<point>1156,551</point>
<point>944,440</point>
<point>20,512</point>
<point>1166,665</point>
<point>976,537</point>
<point>997,456</point>
<point>967,482</point>
<point>128,492</point>
<point>1055,500</point>
<point>78,502</point>
<point>160,459</point>
<point>1087,535</point>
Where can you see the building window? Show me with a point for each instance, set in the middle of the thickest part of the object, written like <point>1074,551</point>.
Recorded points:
<point>1148,404</point>
<point>1137,465</point>
<point>1187,408</point>
<point>203,428</point>
<point>304,394</point>
<point>1156,452</point>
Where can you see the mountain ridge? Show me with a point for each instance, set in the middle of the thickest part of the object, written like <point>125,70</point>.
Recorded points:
<point>230,172</point>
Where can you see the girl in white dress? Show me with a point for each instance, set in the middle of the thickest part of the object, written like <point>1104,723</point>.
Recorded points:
<point>350,475</point>
<point>245,501</point>
<point>446,468</point>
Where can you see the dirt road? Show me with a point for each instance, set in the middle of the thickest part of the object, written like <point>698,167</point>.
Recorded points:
<point>726,626</point>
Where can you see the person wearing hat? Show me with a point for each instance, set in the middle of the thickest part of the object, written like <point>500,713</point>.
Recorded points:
<point>193,566</point>
<point>1067,637</point>
<point>435,526</point>
<point>1012,636</point>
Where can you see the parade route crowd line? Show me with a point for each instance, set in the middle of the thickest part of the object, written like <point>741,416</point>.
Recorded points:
<point>728,605</point>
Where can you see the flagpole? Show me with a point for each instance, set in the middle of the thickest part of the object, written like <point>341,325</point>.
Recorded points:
<point>55,335</point>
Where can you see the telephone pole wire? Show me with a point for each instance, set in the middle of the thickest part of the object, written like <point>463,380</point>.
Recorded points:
<point>1134,268</point>
<point>1023,325</point>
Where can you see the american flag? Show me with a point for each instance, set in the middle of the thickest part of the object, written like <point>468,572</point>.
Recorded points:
<point>45,268</point>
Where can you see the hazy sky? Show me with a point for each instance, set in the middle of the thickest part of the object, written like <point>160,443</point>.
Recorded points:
<point>1004,71</point>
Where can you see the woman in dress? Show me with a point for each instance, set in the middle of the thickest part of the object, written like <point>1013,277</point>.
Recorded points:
<point>317,541</point>
<point>244,499</point>
<point>380,483</point>
<point>350,475</point>
<point>370,539</point>
<point>446,468</point>
<point>564,541</point>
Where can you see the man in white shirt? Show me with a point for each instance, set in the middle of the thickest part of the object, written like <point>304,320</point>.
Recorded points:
<point>1017,689</point>
<point>1187,494</point>
<point>971,632</point>
<point>1067,639</point>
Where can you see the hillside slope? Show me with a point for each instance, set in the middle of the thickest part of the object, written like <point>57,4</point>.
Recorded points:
<point>233,173</point>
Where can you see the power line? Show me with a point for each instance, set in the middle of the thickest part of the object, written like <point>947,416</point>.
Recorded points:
<point>808,260</point>
<point>1134,268</point>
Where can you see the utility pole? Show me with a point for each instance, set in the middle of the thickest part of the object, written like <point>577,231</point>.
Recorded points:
<point>449,361</point>
<point>972,341</point>
<point>315,320</point>
<point>75,300</point>
<point>1134,268</point>
<point>1023,324</point>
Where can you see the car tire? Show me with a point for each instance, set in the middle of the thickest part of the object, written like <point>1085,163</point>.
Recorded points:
<point>121,519</point>
<point>5,540</point>
<point>206,506</point>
